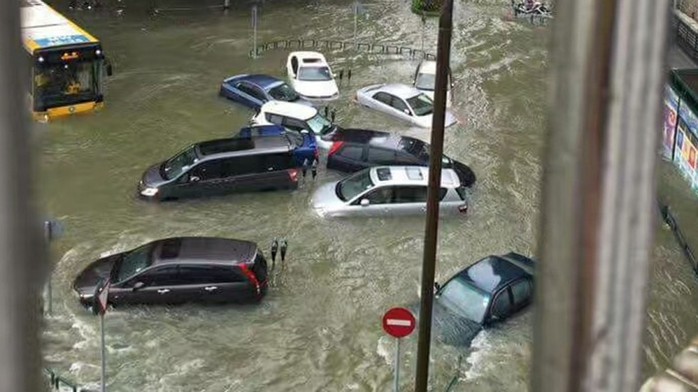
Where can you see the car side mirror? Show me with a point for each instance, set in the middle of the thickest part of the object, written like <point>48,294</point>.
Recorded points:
<point>138,286</point>
<point>194,179</point>
<point>365,202</point>
<point>304,131</point>
<point>406,111</point>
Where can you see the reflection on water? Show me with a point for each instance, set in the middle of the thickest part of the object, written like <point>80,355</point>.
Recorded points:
<point>319,328</point>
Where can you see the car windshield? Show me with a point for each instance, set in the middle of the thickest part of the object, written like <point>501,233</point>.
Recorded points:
<point>425,82</point>
<point>350,187</point>
<point>465,299</point>
<point>284,92</point>
<point>319,124</point>
<point>135,261</point>
<point>174,167</point>
<point>421,151</point>
<point>314,73</point>
<point>421,105</point>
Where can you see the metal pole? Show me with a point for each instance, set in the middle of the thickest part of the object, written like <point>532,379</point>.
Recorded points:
<point>597,208</point>
<point>104,354</point>
<point>22,263</point>
<point>396,382</point>
<point>49,291</point>
<point>443,56</point>
<point>356,21</point>
<point>254,27</point>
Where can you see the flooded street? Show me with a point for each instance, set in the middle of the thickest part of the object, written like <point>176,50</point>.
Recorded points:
<point>319,328</point>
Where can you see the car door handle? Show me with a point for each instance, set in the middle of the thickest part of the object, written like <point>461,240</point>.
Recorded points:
<point>210,288</point>
<point>163,291</point>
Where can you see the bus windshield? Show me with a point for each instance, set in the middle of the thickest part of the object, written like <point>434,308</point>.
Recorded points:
<point>58,85</point>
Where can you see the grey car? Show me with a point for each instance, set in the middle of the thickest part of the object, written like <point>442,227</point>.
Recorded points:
<point>401,101</point>
<point>388,191</point>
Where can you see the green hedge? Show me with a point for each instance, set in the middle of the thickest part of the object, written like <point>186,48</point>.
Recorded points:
<point>427,7</point>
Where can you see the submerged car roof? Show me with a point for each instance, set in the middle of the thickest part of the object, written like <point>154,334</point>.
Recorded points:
<point>492,273</point>
<point>428,67</point>
<point>308,55</point>
<point>261,80</point>
<point>400,90</point>
<point>411,175</point>
<point>289,109</point>
<point>204,250</point>
<point>242,146</point>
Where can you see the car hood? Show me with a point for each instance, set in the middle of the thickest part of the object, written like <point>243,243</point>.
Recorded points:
<point>152,177</point>
<point>450,328</point>
<point>425,121</point>
<point>86,282</point>
<point>311,89</point>
<point>325,200</point>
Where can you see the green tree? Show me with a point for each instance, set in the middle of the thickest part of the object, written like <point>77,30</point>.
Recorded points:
<point>427,7</point>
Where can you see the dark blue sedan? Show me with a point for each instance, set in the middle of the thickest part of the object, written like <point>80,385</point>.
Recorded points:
<point>305,151</point>
<point>254,90</point>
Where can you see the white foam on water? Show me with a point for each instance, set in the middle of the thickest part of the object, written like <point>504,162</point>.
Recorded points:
<point>478,355</point>
<point>383,350</point>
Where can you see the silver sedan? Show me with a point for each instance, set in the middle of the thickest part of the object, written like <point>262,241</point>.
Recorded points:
<point>388,191</point>
<point>401,101</point>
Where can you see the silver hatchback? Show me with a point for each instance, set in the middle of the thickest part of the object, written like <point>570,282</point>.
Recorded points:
<point>387,191</point>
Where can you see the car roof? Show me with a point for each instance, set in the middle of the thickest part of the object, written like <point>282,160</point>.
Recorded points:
<point>492,273</point>
<point>263,81</point>
<point>411,175</point>
<point>289,109</point>
<point>242,146</point>
<point>400,90</point>
<point>203,250</point>
<point>375,138</point>
<point>428,67</point>
<point>309,55</point>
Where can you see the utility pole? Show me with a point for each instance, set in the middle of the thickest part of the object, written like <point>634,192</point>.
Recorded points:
<point>598,194</point>
<point>443,56</point>
<point>22,261</point>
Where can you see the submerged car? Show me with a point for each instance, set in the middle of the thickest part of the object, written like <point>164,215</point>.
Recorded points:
<point>222,166</point>
<point>295,117</point>
<point>255,90</point>
<point>481,295</point>
<point>177,270</point>
<point>355,149</point>
<point>305,151</point>
<point>388,191</point>
<point>311,76</point>
<point>425,80</point>
<point>403,102</point>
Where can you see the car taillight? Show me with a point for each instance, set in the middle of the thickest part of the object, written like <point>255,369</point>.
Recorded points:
<point>463,209</point>
<point>252,277</point>
<point>336,146</point>
<point>293,175</point>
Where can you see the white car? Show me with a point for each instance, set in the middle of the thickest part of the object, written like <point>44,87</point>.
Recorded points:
<point>425,80</point>
<point>311,76</point>
<point>297,117</point>
<point>401,101</point>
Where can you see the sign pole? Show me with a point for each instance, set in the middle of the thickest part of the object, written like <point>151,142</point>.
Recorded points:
<point>356,21</point>
<point>397,365</point>
<point>104,354</point>
<point>254,28</point>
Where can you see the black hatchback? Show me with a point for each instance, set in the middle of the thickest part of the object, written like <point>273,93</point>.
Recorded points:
<point>177,270</point>
<point>223,166</point>
<point>354,149</point>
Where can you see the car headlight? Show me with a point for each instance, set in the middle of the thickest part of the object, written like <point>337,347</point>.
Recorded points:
<point>150,192</point>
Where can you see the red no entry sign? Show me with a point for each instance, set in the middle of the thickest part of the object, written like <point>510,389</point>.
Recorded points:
<point>399,322</point>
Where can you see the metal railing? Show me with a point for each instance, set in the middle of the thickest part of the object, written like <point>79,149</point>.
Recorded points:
<point>60,383</point>
<point>372,48</point>
<point>686,37</point>
<point>670,220</point>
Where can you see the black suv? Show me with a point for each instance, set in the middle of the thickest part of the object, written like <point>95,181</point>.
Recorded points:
<point>223,166</point>
<point>177,270</point>
<point>354,149</point>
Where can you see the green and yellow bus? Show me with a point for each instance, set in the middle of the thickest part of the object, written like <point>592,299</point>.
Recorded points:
<point>68,64</point>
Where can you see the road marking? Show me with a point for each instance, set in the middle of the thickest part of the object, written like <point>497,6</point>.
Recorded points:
<point>399,323</point>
